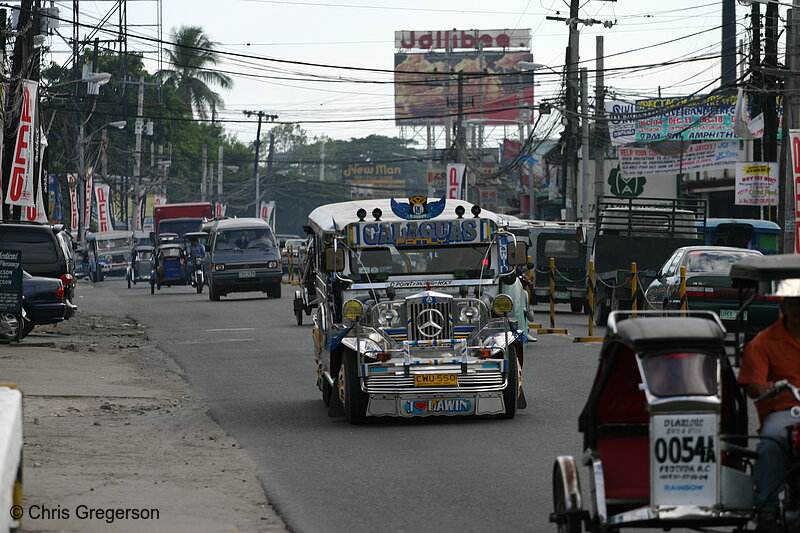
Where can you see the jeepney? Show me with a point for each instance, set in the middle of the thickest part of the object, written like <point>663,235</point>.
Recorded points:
<point>415,309</point>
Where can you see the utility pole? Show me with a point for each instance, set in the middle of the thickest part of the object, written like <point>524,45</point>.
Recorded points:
<point>600,124</point>
<point>322,160</point>
<point>203,172</point>
<point>755,68</point>
<point>572,110</point>
<point>219,173</point>
<point>584,144</point>
<point>770,142</point>
<point>791,120</point>
<point>137,156</point>
<point>261,115</point>
<point>728,77</point>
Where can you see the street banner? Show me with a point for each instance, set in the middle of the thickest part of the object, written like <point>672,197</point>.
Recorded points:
<point>21,182</point>
<point>102,193</point>
<point>40,214</point>
<point>219,209</point>
<point>794,141</point>
<point>56,211</point>
<point>87,200</point>
<point>621,128</point>
<point>455,180</point>
<point>267,211</point>
<point>10,281</point>
<point>756,184</point>
<point>693,118</point>
<point>74,213</point>
<point>702,156</point>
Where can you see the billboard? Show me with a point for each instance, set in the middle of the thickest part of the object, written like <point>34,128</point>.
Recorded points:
<point>493,87</point>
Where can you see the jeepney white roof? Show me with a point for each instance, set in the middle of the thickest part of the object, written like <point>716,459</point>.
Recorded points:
<point>335,217</point>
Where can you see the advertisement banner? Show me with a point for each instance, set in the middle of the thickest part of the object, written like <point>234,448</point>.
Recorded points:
<point>455,179</point>
<point>102,192</point>
<point>621,130</point>
<point>38,213</point>
<point>756,184</point>
<point>267,211</point>
<point>794,141</point>
<point>21,182</point>
<point>493,87</point>
<point>702,156</point>
<point>693,118</point>
<point>87,200</point>
<point>74,213</point>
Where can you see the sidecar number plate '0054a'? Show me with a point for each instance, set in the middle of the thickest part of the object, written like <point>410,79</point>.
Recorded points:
<point>435,380</point>
<point>247,274</point>
<point>684,459</point>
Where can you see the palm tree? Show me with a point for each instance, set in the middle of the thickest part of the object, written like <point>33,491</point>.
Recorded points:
<point>190,56</point>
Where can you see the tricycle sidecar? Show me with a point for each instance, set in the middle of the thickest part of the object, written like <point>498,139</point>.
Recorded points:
<point>168,267</point>
<point>140,265</point>
<point>662,407</point>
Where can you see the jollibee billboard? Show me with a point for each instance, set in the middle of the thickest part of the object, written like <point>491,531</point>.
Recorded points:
<point>493,87</point>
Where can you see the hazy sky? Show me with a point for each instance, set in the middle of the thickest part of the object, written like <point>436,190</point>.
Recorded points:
<point>360,33</point>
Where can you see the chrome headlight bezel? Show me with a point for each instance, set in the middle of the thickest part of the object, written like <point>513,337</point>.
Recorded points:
<point>390,314</point>
<point>468,313</point>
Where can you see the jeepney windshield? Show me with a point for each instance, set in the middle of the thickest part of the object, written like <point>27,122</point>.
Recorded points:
<point>466,261</point>
<point>111,244</point>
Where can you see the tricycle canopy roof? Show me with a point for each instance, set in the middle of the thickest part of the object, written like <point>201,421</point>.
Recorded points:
<point>335,217</point>
<point>767,268</point>
<point>646,331</point>
<point>195,235</point>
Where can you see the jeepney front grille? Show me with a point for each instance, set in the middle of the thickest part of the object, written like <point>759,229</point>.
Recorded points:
<point>401,383</point>
<point>429,321</point>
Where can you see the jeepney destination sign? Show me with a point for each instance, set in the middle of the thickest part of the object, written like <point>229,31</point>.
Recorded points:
<point>421,232</point>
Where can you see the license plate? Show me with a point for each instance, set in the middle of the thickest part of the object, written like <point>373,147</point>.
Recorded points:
<point>730,314</point>
<point>247,274</point>
<point>562,295</point>
<point>435,380</point>
<point>684,459</point>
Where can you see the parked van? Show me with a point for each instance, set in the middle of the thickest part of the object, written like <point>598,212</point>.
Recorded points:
<point>242,255</point>
<point>761,235</point>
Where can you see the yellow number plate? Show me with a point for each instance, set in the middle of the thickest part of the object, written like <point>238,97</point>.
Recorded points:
<point>435,380</point>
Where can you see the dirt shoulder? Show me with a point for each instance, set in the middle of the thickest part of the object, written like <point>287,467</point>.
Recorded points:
<point>110,424</point>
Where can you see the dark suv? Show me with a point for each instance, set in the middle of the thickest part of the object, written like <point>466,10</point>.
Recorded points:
<point>44,253</point>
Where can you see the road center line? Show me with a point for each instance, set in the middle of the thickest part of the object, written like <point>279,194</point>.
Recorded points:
<point>231,329</point>
<point>218,340</point>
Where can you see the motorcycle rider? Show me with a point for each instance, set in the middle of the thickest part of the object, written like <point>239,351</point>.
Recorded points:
<point>773,355</point>
<point>194,250</point>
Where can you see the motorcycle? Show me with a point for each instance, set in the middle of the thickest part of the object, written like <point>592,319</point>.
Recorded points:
<point>197,276</point>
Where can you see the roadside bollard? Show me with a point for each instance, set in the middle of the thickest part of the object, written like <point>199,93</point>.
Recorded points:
<point>552,328</point>
<point>590,306</point>
<point>634,289</point>
<point>682,294</point>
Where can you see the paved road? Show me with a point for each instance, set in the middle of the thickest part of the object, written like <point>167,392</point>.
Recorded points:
<point>255,367</point>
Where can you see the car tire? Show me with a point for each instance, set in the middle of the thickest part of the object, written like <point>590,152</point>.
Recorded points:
<point>576,306</point>
<point>129,282</point>
<point>212,294</point>
<point>511,392</point>
<point>274,290</point>
<point>9,327</point>
<point>152,288</point>
<point>100,275</point>
<point>26,328</point>
<point>352,397</point>
<point>327,392</point>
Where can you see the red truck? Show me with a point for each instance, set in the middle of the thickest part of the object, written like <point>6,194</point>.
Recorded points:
<point>181,218</point>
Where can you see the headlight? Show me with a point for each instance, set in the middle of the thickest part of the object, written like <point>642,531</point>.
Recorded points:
<point>272,264</point>
<point>352,309</point>
<point>502,304</point>
<point>388,315</point>
<point>219,266</point>
<point>468,313</point>
<point>106,258</point>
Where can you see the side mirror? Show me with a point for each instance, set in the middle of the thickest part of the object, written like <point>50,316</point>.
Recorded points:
<point>308,230</point>
<point>334,260</point>
<point>517,254</point>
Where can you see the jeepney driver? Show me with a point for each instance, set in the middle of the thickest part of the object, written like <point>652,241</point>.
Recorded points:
<point>195,249</point>
<point>773,355</point>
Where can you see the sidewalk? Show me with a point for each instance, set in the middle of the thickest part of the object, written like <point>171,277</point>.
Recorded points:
<point>110,425</point>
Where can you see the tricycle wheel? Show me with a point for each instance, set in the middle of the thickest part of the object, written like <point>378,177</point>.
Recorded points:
<point>327,391</point>
<point>152,288</point>
<point>352,397</point>
<point>567,506</point>
<point>129,282</point>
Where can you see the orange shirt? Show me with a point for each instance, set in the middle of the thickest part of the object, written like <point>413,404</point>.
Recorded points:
<point>771,356</point>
